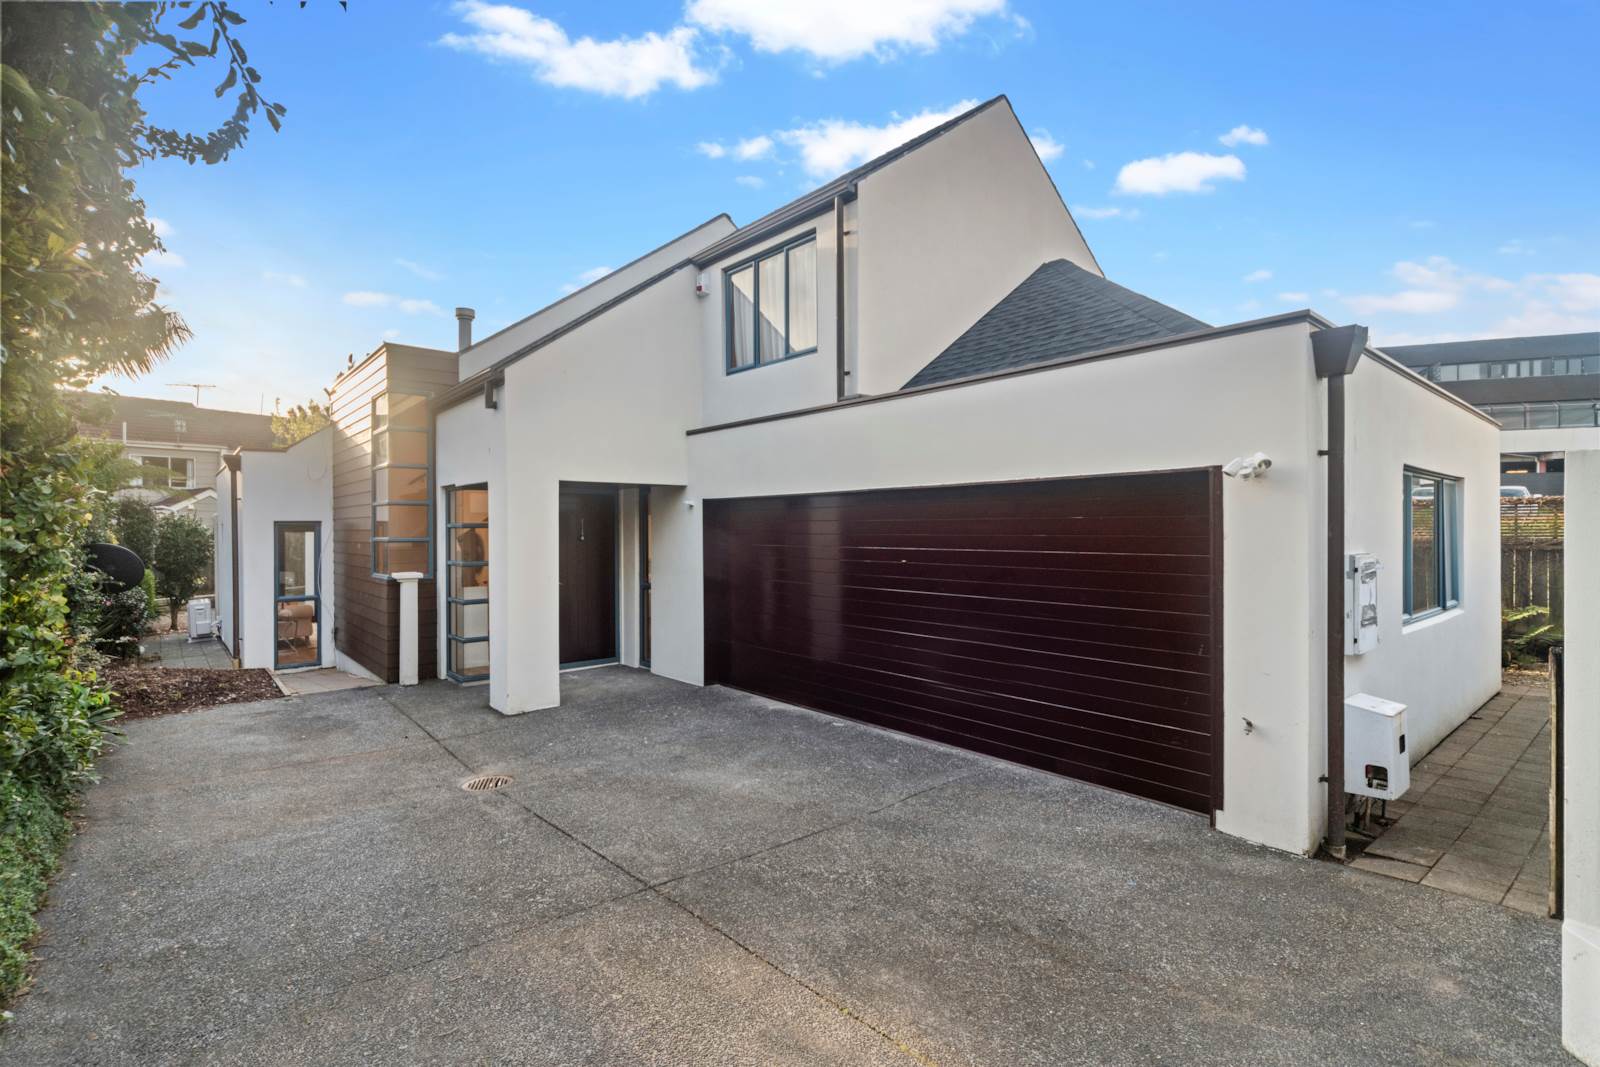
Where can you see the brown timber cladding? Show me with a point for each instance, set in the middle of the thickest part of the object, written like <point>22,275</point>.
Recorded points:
<point>1071,625</point>
<point>367,614</point>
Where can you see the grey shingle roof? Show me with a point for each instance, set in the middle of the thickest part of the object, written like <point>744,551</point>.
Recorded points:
<point>1059,311</point>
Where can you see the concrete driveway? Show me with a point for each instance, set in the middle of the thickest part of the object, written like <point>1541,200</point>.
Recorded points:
<point>686,876</point>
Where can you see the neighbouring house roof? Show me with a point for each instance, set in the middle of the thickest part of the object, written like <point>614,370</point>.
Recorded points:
<point>183,497</point>
<point>818,199</point>
<point>173,422</point>
<point>1059,311</point>
<point>1548,346</point>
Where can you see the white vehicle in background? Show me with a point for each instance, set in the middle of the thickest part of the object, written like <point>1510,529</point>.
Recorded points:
<point>1515,492</point>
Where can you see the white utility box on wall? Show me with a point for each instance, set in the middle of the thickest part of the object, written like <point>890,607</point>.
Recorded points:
<point>202,622</point>
<point>1375,760</point>
<point>1361,603</point>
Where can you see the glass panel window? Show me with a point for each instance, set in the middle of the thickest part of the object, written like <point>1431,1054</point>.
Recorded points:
<point>402,446</point>
<point>471,505</point>
<point>803,297</point>
<point>400,483</point>
<point>297,607</point>
<point>408,412</point>
<point>1578,413</point>
<point>390,557</point>
<point>467,592</point>
<point>770,292</point>
<point>469,542</point>
<point>772,306</point>
<point>742,318</point>
<point>469,581</point>
<point>1543,416</point>
<point>400,520</point>
<point>1432,543</point>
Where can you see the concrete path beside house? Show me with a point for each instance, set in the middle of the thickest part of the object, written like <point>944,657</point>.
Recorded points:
<point>174,649</point>
<point>1476,820</point>
<point>681,876</point>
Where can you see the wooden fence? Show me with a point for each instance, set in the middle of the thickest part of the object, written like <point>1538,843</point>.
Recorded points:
<point>1532,535</point>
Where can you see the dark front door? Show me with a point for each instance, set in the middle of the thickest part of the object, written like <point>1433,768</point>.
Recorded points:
<point>588,576</point>
<point>1071,625</point>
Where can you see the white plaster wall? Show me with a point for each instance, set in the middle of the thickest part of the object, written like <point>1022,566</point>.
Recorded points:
<point>1580,928</point>
<point>1094,418</point>
<point>609,402</point>
<point>1444,667</point>
<point>803,381</point>
<point>1571,439</point>
<point>498,345</point>
<point>944,233</point>
<point>290,486</point>
<point>469,449</point>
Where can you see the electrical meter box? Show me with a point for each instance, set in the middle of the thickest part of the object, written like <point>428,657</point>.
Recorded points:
<point>1375,760</point>
<point>1360,603</point>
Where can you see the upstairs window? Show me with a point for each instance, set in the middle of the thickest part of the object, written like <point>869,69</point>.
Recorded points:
<point>1432,543</point>
<point>402,491</point>
<point>164,472</point>
<point>771,304</point>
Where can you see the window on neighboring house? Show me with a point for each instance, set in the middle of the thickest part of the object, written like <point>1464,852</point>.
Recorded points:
<point>180,426</point>
<point>402,491</point>
<point>771,305</point>
<point>1432,543</point>
<point>164,472</point>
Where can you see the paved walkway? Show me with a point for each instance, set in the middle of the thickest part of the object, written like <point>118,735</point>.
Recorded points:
<point>1476,820</point>
<point>325,680</point>
<point>685,876</point>
<point>176,650</point>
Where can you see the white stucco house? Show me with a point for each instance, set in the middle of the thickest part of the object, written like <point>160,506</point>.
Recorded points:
<point>899,451</point>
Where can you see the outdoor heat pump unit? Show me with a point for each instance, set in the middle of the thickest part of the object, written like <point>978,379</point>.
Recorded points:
<point>201,620</point>
<point>1375,760</point>
<point>1360,603</point>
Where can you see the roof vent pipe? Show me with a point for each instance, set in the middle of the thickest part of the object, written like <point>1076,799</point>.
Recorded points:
<point>464,317</point>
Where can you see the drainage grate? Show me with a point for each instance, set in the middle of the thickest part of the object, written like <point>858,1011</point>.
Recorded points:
<point>485,782</point>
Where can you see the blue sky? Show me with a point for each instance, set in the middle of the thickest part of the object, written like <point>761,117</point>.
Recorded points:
<point>1427,169</point>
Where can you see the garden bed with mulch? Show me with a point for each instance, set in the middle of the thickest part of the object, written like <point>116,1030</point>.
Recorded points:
<point>146,692</point>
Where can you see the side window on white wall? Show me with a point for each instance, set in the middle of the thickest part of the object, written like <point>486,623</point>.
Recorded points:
<point>771,306</point>
<point>1432,543</point>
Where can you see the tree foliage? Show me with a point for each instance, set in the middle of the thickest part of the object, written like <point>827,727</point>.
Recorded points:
<point>135,525</point>
<point>183,559</point>
<point>299,422</point>
<point>77,302</point>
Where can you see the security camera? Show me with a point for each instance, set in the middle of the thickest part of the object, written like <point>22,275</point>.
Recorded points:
<point>1253,466</point>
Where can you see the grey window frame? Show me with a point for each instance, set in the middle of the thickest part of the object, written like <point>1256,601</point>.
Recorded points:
<point>427,498</point>
<point>755,295</point>
<point>1448,499</point>
<point>453,640</point>
<point>313,579</point>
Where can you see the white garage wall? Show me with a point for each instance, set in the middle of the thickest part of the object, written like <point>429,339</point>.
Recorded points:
<point>1444,667</point>
<point>295,485</point>
<point>1195,405</point>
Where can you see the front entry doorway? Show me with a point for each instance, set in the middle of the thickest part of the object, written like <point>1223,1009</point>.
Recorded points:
<point>588,575</point>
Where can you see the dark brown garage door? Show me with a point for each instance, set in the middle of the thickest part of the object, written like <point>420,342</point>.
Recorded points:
<point>1070,625</point>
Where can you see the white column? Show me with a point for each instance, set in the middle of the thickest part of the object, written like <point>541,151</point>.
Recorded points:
<point>1580,847</point>
<point>408,625</point>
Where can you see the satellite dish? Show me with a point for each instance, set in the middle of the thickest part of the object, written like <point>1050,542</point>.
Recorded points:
<point>121,566</point>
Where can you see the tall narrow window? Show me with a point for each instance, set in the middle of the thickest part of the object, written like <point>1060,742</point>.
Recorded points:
<point>772,305</point>
<point>1432,543</point>
<point>402,506</point>
<point>467,592</point>
<point>296,594</point>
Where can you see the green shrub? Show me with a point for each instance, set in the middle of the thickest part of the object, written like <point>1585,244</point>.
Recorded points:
<point>1527,636</point>
<point>136,527</point>
<point>149,587</point>
<point>183,560</point>
<point>32,833</point>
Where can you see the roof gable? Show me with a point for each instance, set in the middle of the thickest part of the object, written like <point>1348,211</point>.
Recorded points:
<point>1059,311</point>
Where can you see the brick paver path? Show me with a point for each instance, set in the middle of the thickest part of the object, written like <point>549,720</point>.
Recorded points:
<point>1476,820</point>
<point>176,650</point>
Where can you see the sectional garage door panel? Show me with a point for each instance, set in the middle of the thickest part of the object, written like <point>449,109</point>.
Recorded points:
<point>1069,625</point>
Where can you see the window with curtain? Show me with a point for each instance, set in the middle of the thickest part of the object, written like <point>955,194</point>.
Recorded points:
<point>771,304</point>
<point>1432,543</point>
<point>402,497</point>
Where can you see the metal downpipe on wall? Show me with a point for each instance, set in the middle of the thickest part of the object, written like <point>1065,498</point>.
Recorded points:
<point>1335,353</point>
<point>842,368</point>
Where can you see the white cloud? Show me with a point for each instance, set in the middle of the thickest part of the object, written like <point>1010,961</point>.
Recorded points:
<point>366,298</point>
<point>1048,147</point>
<point>753,148</point>
<point>425,273</point>
<point>163,259</point>
<point>1257,276</point>
<point>629,67</point>
<point>1178,172</point>
<point>1438,284</point>
<point>834,31</point>
<point>1083,211</point>
<point>711,149</point>
<point>1294,298</point>
<point>1407,301</point>
<point>1571,292</point>
<point>390,335</point>
<point>587,277</point>
<point>750,181</point>
<point>163,228</point>
<point>1244,135</point>
<point>832,146</point>
<point>294,281</point>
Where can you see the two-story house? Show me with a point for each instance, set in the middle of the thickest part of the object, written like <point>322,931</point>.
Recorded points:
<point>899,451</point>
